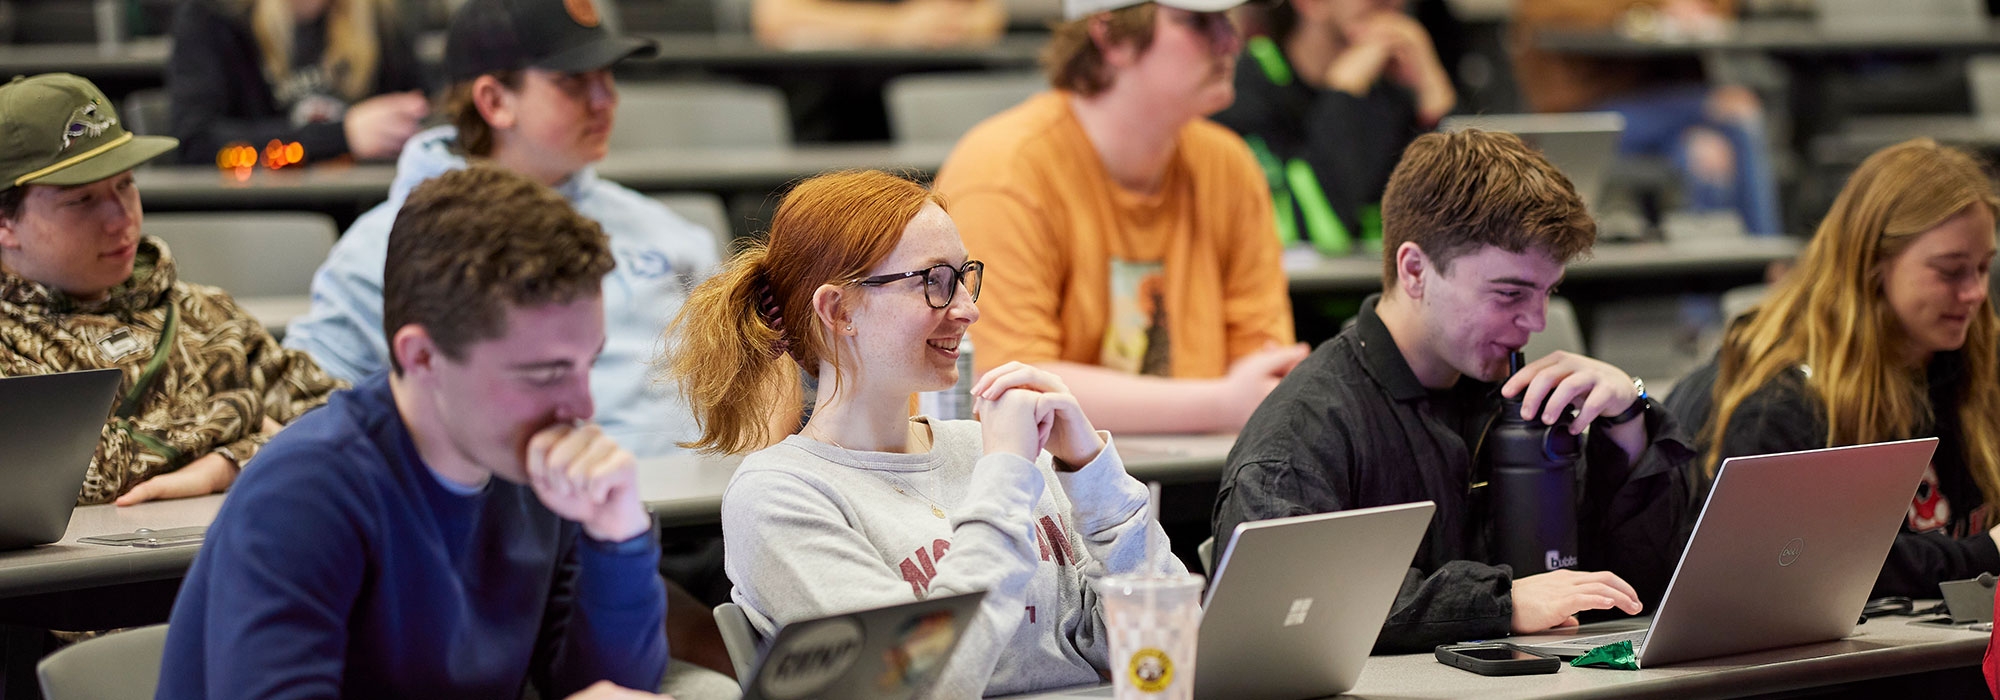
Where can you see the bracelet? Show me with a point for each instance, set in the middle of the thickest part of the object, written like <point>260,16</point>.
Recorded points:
<point>1632,412</point>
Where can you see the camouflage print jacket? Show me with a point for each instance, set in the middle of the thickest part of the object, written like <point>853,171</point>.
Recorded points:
<point>222,376</point>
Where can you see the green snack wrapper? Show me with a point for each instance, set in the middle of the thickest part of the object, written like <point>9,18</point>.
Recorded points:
<point>1617,656</point>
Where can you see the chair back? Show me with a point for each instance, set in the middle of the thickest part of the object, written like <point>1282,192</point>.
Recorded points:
<point>738,637</point>
<point>118,666</point>
<point>703,209</point>
<point>147,112</point>
<point>940,107</point>
<point>699,114</point>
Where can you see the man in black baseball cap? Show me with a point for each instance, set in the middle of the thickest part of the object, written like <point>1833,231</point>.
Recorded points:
<point>81,288</point>
<point>490,36</point>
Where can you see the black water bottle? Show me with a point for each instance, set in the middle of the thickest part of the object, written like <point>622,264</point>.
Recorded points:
<point>1532,474</point>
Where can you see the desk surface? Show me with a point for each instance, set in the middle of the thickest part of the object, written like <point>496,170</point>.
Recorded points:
<point>138,58</point>
<point>1879,649</point>
<point>1633,261</point>
<point>726,51</point>
<point>652,170</point>
<point>68,565</point>
<point>1776,36</point>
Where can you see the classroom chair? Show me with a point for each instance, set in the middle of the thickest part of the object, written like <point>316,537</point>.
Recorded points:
<point>738,637</point>
<point>265,260</point>
<point>703,209</point>
<point>699,115</point>
<point>148,112</point>
<point>118,666</point>
<point>940,107</point>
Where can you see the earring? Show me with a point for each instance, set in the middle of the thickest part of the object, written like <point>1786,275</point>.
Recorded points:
<point>850,329</point>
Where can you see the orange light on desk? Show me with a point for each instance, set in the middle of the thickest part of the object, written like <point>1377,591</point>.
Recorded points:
<point>237,159</point>
<point>278,154</point>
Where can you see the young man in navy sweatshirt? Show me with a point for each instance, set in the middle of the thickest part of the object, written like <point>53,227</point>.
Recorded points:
<point>457,528</point>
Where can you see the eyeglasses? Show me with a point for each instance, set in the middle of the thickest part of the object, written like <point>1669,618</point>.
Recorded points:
<point>940,281</point>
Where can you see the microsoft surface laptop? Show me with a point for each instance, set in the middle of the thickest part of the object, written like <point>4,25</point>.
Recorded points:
<point>1582,145</point>
<point>1784,553</point>
<point>888,653</point>
<point>1297,603</point>
<point>49,428</point>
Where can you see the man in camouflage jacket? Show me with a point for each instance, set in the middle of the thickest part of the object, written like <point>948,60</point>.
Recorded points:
<point>205,385</point>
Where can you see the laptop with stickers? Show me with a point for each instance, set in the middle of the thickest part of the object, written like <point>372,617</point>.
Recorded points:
<point>1784,553</point>
<point>886,653</point>
<point>49,428</point>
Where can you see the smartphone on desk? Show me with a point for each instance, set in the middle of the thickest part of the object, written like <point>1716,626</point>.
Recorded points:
<point>1497,659</point>
<point>150,539</point>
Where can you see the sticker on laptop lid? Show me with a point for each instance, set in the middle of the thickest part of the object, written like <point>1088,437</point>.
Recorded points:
<point>806,663</point>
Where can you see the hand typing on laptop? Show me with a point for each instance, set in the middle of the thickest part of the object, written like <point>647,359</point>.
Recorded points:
<point>1553,599</point>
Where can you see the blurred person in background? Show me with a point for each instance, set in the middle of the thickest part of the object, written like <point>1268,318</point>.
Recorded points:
<point>1327,99</point>
<point>338,77</point>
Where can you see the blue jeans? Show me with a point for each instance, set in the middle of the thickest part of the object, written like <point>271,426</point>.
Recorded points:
<point>1656,124</point>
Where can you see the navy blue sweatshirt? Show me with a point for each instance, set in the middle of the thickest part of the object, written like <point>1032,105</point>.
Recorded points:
<point>339,566</point>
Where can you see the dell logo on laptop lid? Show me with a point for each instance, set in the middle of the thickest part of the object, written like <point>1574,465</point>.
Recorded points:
<point>1791,551</point>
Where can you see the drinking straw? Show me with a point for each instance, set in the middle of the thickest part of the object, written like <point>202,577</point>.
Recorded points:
<point>1152,570</point>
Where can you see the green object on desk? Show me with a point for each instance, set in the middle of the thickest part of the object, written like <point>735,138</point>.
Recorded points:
<point>1617,656</point>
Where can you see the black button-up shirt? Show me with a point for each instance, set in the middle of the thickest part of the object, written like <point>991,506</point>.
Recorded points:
<point>1351,427</point>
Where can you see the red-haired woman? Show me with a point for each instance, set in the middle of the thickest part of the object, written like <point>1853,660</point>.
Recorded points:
<point>865,285</point>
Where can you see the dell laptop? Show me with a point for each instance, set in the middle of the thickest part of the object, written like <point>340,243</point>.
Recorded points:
<point>49,428</point>
<point>1784,553</point>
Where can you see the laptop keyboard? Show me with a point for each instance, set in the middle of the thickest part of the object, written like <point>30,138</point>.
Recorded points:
<point>1637,638</point>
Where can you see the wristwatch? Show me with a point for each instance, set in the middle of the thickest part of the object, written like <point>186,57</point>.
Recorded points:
<point>1632,412</point>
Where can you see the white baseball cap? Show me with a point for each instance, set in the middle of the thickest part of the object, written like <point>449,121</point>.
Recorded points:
<point>1079,9</point>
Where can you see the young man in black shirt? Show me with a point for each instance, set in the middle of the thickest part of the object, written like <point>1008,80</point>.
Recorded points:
<point>1477,229</point>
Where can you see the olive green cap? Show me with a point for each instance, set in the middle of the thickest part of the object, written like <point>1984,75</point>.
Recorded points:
<point>59,129</point>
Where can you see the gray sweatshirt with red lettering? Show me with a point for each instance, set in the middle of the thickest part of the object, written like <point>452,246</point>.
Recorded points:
<point>811,529</point>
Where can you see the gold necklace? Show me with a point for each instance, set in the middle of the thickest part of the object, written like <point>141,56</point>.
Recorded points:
<point>936,508</point>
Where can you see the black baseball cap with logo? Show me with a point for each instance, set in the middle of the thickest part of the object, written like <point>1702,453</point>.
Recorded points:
<point>58,129</point>
<point>559,35</point>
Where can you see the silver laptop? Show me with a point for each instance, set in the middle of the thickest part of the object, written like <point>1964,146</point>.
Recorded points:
<point>1582,145</point>
<point>1297,602</point>
<point>1784,553</point>
<point>887,653</point>
<point>49,428</point>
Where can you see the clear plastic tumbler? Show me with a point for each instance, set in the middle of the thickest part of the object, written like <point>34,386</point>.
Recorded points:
<point>1153,621</point>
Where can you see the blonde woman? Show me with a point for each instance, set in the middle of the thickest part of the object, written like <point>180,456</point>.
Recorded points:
<point>337,76</point>
<point>1885,332</point>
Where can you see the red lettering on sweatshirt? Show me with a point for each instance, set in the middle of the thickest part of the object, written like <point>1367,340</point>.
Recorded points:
<point>1054,539</point>
<point>1051,537</point>
<point>920,567</point>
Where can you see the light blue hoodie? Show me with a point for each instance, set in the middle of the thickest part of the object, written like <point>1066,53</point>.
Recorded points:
<point>660,256</point>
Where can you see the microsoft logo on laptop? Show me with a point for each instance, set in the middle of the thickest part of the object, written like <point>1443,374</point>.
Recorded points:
<point>1298,614</point>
